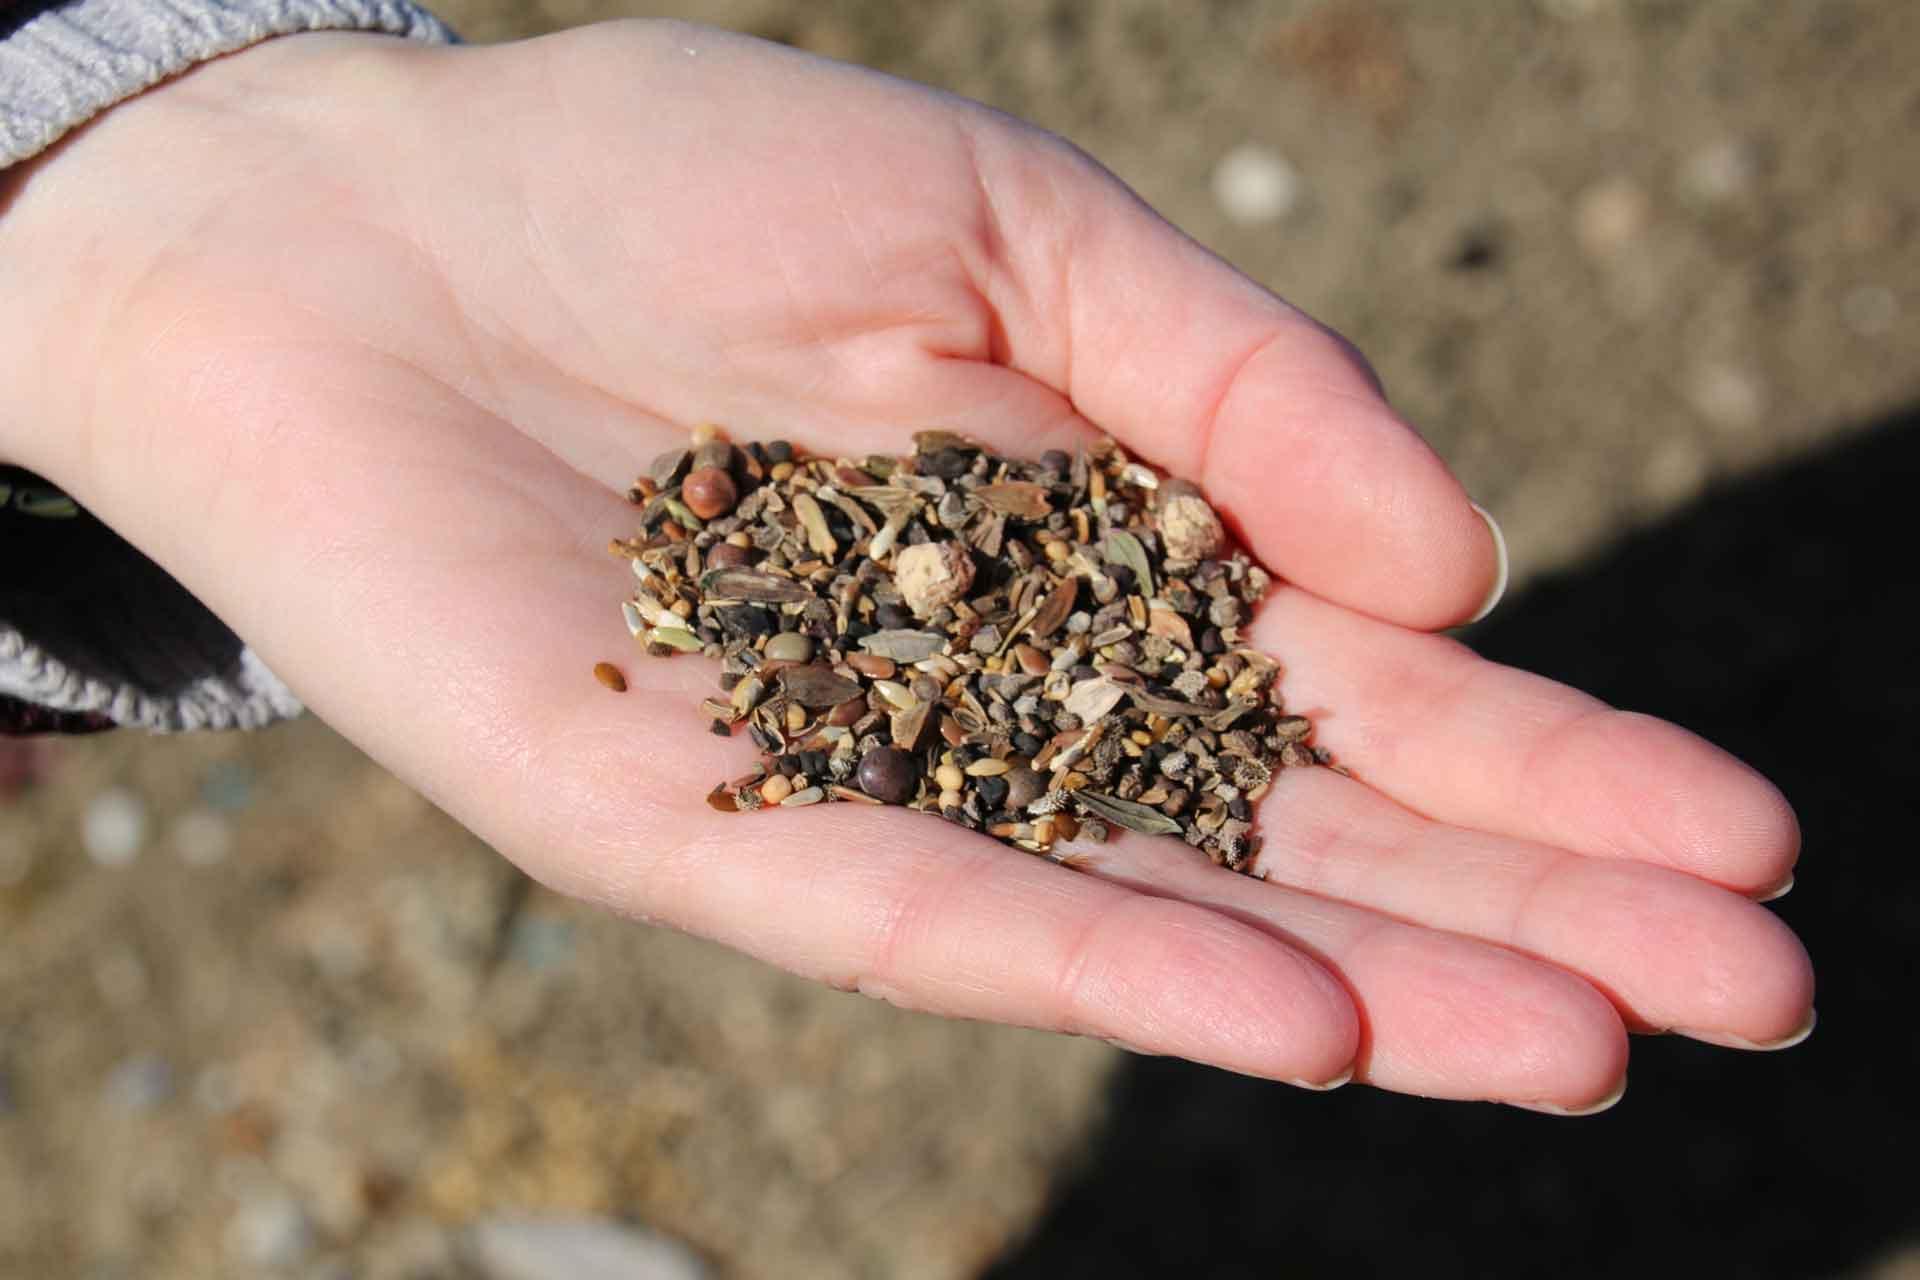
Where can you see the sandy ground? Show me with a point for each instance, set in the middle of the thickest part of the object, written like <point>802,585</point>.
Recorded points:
<point>1645,273</point>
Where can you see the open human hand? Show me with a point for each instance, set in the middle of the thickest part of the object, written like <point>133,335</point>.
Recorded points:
<point>363,341</point>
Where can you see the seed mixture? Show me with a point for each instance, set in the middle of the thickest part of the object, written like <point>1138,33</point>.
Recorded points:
<point>1037,650</point>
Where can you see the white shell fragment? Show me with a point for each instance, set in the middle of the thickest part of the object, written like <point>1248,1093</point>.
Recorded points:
<point>932,574</point>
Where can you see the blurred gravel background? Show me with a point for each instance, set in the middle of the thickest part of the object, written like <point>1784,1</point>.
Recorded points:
<point>1644,272</point>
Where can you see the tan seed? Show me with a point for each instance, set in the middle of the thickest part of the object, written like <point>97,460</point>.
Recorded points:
<point>812,795</point>
<point>1058,551</point>
<point>987,768</point>
<point>781,471</point>
<point>951,799</point>
<point>897,694</point>
<point>796,717</point>
<point>609,675</point>
<point>776,789</point>
<point>949,777</point>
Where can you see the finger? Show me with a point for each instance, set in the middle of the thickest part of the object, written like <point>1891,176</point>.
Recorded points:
<point>1671,951</point>
<point>1443,1016</point>
<point>1486,747</point>
<point>1196,367</point>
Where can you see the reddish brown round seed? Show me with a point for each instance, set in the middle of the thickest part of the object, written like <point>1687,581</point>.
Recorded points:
<point>709,493</point>
<point>724,555</point>
<point>609,675</point>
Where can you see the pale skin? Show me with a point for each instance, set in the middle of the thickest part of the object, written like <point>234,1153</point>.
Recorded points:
<point>363,340</point>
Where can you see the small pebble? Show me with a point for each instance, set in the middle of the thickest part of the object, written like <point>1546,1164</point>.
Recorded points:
<point>201,838</point>
<point>790,646</point>
<point>114,828</point>
<point>1255,186</point>
<point>609,675</point>
<point>887,774</point>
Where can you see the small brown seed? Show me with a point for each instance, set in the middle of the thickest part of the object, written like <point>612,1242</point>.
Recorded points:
<point>609,675</point>
<point>1032,661</point>
<point>872,665</point>
<point>709,493</point>
<point>725,555</point>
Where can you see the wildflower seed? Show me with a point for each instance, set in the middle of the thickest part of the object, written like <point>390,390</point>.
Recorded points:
<point>1073,624</point>
<point>609,675</point>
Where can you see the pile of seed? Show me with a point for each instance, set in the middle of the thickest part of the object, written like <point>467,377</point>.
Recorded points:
<point>1035,650</point>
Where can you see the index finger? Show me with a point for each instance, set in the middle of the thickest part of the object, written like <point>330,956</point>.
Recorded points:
<point>1197,367</point>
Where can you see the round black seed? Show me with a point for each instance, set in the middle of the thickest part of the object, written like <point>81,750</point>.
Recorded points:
<point>1056,461</point>
<point>1122,578</point>
<point>788,765</point>
<point>1027,745</point>
<point>1240,809</point>
<point>964,756</point>
<point>945,463</point>
<point>887,774</point>
<point>893,617</point>
<point>1001,816</point>
<point>779,451</point>
<point>993,791</point>
<point>814,763</point>
<point>720,729</point>
<point>1210,642</point>
<point>856,631</point>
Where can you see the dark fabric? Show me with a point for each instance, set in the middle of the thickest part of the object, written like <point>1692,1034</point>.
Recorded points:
<point>79,590</point>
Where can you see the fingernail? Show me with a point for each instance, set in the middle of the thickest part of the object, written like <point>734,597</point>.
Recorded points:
<point>1591,1109</point>
<point>1500,555</point>
<point>1780,890</point>
<point>1324,1086</point>
<point>1727,1041</point>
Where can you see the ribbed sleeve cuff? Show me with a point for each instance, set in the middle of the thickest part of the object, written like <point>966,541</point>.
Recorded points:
<point>65,64</point>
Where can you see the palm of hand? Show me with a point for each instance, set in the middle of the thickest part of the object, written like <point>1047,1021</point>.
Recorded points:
<point>392,384</point>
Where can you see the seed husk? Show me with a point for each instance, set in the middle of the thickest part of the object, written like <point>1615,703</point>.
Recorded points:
<point>815,685</point>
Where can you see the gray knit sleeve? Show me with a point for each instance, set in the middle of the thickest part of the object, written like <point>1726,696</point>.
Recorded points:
<point>63,64</point>
<point>92,633</point>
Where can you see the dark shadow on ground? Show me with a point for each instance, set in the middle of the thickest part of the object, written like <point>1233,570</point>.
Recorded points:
<point>1777,619</point>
